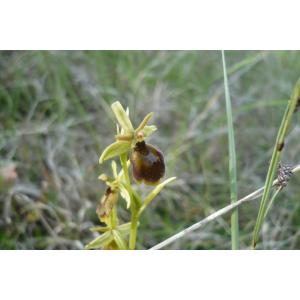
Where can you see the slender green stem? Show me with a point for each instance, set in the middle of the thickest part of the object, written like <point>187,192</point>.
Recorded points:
<point>135,197</point>
<point>279,144</point>
<point>133,229</point>
<point>134,201</point>
<point>123,159</point>
<point>114,218</point>
<point>232,162</point>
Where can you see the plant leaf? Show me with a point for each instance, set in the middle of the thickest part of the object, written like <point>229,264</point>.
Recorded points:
<point>114,149</point>
<point>122,117</point>
<point>119,240</point>
<point>101,241</point>
<point>154,193</point>
<point>124,229</point>
<point>100,229</point>
<point>232,161</point>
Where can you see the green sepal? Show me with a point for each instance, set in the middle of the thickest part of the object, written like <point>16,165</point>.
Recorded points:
<point>114,149</point>
<point>122,117</point>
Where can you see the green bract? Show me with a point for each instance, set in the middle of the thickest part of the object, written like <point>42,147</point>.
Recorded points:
<point>154,193</point>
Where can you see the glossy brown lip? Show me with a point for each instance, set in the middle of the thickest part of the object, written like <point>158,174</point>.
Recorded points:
<point>147,163</point>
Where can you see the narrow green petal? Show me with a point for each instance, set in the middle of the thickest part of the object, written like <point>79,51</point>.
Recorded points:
<point>145,122</point>
<point>122,117</point>
<point>114,149</point>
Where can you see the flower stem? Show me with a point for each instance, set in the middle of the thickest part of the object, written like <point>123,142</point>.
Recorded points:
<point>133,229</point>
<point>134,201</point>
<point>114,218</point>
<point>123,159</point>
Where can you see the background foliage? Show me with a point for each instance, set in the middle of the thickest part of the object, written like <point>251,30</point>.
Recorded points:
<point>56,119</point>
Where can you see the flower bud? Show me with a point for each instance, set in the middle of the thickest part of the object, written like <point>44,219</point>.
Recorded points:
<point>147,163</point>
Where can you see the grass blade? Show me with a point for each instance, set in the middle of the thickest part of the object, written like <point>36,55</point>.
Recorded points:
<point>232,162</point>
<point>279,144</point>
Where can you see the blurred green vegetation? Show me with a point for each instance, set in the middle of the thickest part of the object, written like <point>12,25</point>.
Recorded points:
<point>55,120</point>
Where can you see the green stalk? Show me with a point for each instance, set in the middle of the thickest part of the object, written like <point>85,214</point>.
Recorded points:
<point>123,159</point>
<point>133,229</point>
<point>232,162</point>
<point>133,204</point>
<point>114,218</point>
<point>279,144</point>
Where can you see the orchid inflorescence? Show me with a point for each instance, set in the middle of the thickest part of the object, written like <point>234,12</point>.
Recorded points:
<point>148,167</point>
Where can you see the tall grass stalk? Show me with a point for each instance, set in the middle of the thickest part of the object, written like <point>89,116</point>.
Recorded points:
<point>232,162</point>
<point>278,147</point>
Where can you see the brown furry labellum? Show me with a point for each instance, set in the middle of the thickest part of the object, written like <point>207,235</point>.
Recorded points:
<point>147,163</point>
